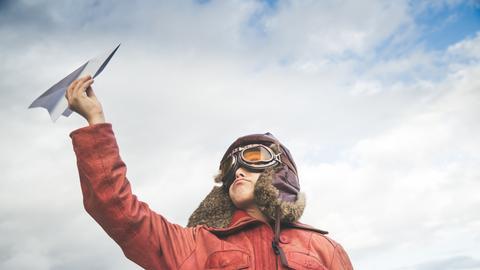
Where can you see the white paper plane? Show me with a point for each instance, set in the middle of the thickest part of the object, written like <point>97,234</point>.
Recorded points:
<point>54,98</point>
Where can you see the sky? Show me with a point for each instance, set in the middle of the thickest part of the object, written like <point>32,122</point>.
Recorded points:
<point>378,102</point>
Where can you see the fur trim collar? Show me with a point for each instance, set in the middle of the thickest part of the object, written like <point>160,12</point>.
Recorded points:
<point>217,209</point>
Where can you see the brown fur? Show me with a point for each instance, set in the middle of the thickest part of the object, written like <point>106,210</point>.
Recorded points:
<point>217,209</point>
<point>266,198</point>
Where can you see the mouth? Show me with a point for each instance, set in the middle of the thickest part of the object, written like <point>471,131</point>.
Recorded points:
<point>238,180</point>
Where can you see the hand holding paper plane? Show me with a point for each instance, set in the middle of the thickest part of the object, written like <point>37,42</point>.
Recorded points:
<point>54,98</point>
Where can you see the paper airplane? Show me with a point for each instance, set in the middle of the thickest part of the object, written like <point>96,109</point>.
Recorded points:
<point>54,98</point>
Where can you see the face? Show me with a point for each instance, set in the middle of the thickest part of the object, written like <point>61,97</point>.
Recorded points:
<point>241,190</point>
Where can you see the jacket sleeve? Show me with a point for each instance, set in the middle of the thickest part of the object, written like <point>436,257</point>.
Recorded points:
<point>145,237</point>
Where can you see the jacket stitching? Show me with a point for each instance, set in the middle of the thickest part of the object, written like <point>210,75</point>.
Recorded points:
<point>108,177</point>
<point>188,257</point>
<point>117,203</point>
<point>333,257</point>
<point>342,257</point>
<point>310,243</point>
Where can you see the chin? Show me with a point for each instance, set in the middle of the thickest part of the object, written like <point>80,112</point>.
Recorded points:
<point>241,194</point>
<point>242,202</point>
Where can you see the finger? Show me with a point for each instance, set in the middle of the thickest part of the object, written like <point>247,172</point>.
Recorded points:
<point>81,80</point>
<point>85,78</point>
<point>74,88</point>
<point>85,85</point>
<point>70,89</point>
<point>90,92</point>
<point>81,87</point>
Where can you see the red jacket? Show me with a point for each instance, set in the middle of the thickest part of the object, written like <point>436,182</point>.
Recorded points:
<point>152,242</point>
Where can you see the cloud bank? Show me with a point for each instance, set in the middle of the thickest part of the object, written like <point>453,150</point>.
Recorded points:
<point>382,127</point>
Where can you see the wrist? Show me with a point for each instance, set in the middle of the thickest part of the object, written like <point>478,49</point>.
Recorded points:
<point>96,119</point>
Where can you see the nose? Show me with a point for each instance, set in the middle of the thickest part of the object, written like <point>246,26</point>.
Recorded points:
<point>240,172</point>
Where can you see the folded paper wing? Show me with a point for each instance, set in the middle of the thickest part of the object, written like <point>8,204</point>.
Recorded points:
<point>54,98</point>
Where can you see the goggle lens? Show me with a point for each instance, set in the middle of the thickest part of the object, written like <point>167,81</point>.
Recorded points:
<point>256,154</point>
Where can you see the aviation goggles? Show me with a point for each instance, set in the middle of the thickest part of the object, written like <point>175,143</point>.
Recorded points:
<point>253,157</point>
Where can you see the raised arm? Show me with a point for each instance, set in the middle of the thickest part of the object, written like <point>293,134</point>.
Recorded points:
<point>145,237</point>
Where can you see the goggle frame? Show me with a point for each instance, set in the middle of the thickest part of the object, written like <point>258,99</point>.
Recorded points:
<point>238,160</point>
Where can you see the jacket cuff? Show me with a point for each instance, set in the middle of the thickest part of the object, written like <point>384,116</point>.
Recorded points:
<point>98,138</point>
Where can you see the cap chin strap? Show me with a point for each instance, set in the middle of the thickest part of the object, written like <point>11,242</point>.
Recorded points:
<point>276,241</point>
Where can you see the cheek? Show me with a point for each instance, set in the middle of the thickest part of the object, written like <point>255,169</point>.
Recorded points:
<point>255,177</point>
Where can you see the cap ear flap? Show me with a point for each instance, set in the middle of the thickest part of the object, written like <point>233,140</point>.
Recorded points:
<point>268,198</point>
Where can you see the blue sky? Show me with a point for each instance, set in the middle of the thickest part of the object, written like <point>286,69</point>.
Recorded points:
<point>378,102</point>
<point>445,25</point>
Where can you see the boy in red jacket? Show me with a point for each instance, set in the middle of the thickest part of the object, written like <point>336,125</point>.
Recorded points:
<point>249,222</point>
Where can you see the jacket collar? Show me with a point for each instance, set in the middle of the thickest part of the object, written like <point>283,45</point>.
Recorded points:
<point>241,220</point>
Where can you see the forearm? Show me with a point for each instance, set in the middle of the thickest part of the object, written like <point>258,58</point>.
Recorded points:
<point>105,189</point>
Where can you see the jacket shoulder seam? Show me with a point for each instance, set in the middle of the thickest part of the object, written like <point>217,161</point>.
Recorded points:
<point>333,243</point>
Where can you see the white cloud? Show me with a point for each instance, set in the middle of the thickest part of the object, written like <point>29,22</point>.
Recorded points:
<point>469,48</point>
<point>417,180</point>
<point>320,29</point>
